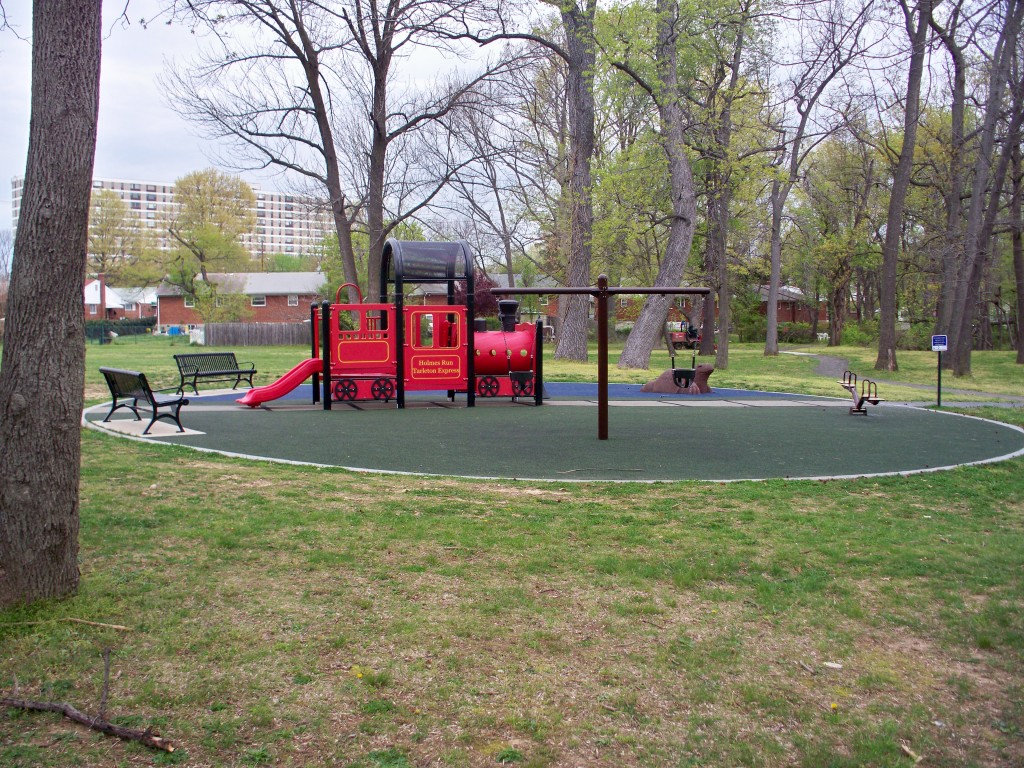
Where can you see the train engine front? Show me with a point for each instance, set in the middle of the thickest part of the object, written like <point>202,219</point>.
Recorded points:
<point>507,363</point>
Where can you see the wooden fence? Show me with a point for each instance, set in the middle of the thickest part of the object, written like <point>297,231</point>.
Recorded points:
<point>256,334</point>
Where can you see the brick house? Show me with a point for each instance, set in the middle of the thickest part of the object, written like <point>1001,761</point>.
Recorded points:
<point>793,306</point>
<point>273,297</point>
<point>121,303</point>
<point>627,308</point>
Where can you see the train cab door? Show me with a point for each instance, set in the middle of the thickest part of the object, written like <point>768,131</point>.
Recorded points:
<point>363,339</point>
<point>435,348</point>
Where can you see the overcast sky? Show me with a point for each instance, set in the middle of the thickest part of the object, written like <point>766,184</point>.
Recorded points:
<point>140,137</point>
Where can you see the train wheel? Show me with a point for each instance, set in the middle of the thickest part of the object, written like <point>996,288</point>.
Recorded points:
<point>522,388</point>
<point>383,389</point>
<point>345,389</point>
<point>487,386</point>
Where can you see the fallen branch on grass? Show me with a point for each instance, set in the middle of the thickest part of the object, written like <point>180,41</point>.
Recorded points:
<point>911,753</point>
<point>68,618</point>
<point>147,737</point>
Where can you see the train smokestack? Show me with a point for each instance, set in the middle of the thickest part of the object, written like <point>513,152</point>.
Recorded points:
<point>507,309</point>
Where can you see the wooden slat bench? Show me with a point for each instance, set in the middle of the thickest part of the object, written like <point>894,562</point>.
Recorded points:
<point>212,366</point>
<point>131,390</point>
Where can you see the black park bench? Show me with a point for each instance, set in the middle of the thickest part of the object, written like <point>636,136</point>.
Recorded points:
<point>131,390</point>
<point>212,366</point>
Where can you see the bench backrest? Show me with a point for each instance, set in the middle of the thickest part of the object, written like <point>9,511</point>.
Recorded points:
<point>124,383</point>
<point>204,362</point>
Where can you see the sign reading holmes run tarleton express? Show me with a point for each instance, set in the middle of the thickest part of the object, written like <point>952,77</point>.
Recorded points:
<point>600,292</point>
<point>435,367</point>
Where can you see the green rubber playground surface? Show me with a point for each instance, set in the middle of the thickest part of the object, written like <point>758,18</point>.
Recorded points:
<point>723,439</point>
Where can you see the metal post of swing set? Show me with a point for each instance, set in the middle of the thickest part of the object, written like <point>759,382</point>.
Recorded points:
<point>601,292</point>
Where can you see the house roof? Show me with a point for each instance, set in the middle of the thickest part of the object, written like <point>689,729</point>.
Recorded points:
<point>539,281</point>
<point>786,293</point>
<point>118,297</point>
<point>92,295</point>
<point>261,283</point>
<point>500,281</point>
<point>138,295</point>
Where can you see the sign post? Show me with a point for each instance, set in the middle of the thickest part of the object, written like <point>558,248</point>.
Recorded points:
<point>940,345</point>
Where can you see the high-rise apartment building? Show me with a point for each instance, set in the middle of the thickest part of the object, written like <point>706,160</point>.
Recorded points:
<point>286,224</point>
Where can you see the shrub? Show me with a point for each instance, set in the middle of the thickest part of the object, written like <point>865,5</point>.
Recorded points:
<point>795,333</point>
<point>747,321</point>
<point>861,334</point>
<point>917,337</point>
<point>750,327</point>
<point>118,325</point>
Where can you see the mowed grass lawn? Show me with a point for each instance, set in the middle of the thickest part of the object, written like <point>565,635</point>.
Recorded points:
<point>295,616</point>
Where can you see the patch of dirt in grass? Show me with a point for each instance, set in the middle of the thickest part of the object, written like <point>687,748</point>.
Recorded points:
<point>965,697</point>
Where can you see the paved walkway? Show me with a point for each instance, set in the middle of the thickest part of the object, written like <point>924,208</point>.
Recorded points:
<point>833,367</point>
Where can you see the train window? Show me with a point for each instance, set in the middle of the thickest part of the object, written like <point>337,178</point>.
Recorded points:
<point>376,320</point>
<point>349,321</point>
<point>450,338</point>
<point>357,321</point>
<point>423,329</point>
<point>434,330</point>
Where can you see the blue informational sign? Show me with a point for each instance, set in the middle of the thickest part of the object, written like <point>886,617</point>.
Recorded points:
<point>939,344</point>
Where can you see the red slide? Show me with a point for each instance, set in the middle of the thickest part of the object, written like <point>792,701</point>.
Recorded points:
<point>284,385</point>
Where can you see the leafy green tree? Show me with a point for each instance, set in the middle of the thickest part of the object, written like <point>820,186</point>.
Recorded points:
<point>214,210</point>
<point>285,262</point>
<point>218,304</point>
<point>115,237</point>
<point>838,214</point>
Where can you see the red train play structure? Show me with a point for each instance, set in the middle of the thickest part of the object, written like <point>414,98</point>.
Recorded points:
<point>381,350</point>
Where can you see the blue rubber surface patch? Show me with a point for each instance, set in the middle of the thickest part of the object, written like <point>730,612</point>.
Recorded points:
<point>565,390</point>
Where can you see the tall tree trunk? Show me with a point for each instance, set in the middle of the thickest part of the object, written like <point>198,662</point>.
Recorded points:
<point>725,199</point>
<point>338,201</point>
<point>954,192</point>
<point>841,48</point>
<point>984,204</point>
<point>837,307</point>
<point>376,172</point>
<point>1017,240</point>
<point>983,250</point>
<point>886,360</point>
<point>719,235</point>
<point>651,322</point>
<point>779,193</point>
<point>43,367</point>
<point>580,63</point>
<point>306,52</point>
<point>707,313</point>
<point>719,189</point>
